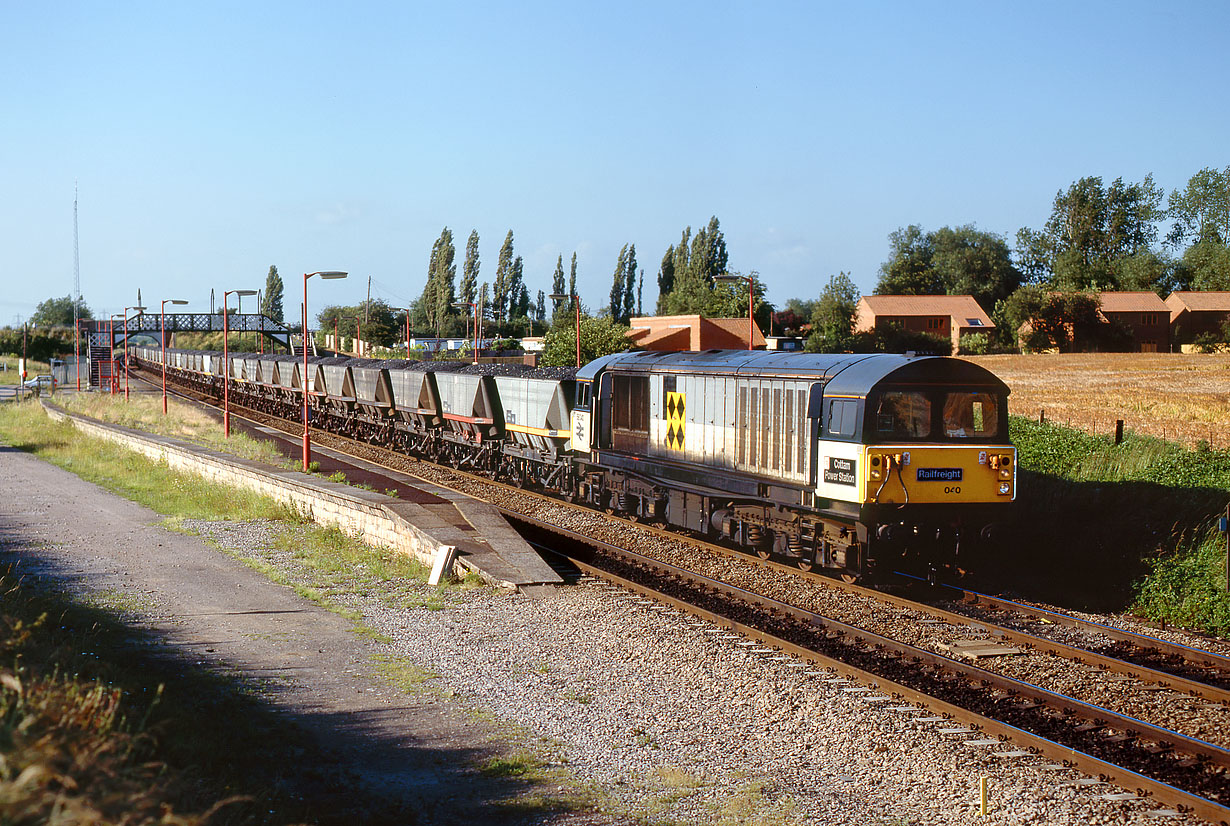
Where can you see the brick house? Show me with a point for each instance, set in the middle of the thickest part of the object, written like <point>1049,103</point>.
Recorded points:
<point>946,316</point>
<point>1196,313</point>
<point>693,332</point>
<point>1142,314</point>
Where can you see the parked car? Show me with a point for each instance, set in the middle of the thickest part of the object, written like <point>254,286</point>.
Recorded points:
<point>39,382</point>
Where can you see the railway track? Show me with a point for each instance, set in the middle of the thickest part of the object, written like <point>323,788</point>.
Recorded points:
<point>989,709</point>
<point>1160,761</point>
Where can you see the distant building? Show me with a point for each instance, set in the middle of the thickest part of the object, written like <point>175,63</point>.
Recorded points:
<point>946,316</point>
<point>1196,313</point>
<point>1143,315</point>
<point>693,332</point>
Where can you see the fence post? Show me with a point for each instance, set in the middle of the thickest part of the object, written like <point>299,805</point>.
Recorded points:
<point>1225,529</point>
<point>1118,431</point>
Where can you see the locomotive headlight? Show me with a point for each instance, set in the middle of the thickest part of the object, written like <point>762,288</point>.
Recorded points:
<point>1005,488</point>
<point>1005,467</point>
<point>876,463</point>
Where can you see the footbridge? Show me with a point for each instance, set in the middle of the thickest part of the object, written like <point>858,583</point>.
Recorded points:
<point>109,337</point>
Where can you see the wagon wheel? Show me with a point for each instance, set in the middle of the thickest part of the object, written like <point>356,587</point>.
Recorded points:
<point>806,565</point>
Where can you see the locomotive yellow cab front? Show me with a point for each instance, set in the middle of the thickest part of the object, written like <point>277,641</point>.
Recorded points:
<point>911,474</point>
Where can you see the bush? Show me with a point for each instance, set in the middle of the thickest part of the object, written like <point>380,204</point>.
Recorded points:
<point>975,344</point>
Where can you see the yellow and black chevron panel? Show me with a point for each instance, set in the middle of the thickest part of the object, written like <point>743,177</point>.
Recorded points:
<point>676,416</point>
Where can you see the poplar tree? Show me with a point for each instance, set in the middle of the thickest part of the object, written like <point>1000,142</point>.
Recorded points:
<point>469,273</point>
<point>558,285</point>
<point>629,285</point>
<point>435,304</point>
<point>271,301</point>
<point>501,290</point>
<point>572,276</point>
<point>617,284</point>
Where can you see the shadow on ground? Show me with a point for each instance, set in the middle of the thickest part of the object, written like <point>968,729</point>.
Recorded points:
<point>222,734</point>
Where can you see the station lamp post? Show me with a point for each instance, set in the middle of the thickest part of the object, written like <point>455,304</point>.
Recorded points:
<point>226,362</point>
<point>307,439</point>
<point>751,285</point>
<point>163,325</point>
<point>459,305</point>
<point>139,310</point>
<point>576,302</point>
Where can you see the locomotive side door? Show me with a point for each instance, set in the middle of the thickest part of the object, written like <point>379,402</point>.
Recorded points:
<point>835,420</point>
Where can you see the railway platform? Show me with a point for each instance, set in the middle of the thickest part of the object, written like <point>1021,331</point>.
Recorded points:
<point>433,515</point>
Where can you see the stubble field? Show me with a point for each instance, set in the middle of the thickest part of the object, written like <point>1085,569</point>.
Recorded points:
<point>1183,398</point>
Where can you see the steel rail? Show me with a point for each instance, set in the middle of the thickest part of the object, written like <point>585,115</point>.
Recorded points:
<point>1104,717</point>
<point>1125,778</point>
<point>1198,656</point>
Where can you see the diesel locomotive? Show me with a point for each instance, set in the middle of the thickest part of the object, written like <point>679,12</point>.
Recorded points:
<point>852,463</point>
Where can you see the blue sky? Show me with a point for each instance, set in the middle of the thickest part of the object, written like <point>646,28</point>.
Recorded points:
<point>210,140</point>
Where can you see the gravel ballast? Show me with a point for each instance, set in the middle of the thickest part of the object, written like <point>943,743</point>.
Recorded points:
<point>670,720</point>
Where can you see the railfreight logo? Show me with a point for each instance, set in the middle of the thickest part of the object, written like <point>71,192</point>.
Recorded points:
<point>939,474</point>
<point>676,415</point>
<point>841,471</point>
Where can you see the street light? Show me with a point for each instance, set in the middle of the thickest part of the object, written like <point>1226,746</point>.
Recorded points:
<point>226,361</point>
<point>307,439</point>
<point>751,282</point>
<point>163,313</point>
<point>458,305</point>
<point>576,300</point>
<point>126,309</point>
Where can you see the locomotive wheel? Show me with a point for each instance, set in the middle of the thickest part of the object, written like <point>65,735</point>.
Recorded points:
<point>763,553</point>
<point>805,565</point>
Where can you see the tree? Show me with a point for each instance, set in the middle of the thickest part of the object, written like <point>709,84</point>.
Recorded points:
<point>666,274</point>
<point>271,300</point>
<point>558,285</point>
<point>629,306</point>
<point>436,302</point>
<point>1057,320</point>
<point>1092,232</point>
<point>949,261</point>
<point>971,262</point>
<point>689,267</point>
<point>1201,211</point>
<point>501,289</point>
<point>572,276</point>
<point>599,337</point>
<point>1201,214</point>
<point>832,319</point>
<point>58,312</point>
<point>909,270</point>
<point>708,255</point>
<point>469,272</point>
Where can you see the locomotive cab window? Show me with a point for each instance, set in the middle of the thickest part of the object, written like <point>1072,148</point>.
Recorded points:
<point>970,415</point>
<point>903,414</point>
<point>584,389</point>
<point>843,415</point>
<point>918,415</point>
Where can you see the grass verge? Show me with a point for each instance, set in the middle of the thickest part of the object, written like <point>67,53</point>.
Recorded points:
<point>1130,525</point>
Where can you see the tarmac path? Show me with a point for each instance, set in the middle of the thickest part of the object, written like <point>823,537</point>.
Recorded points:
<point>213,610</point>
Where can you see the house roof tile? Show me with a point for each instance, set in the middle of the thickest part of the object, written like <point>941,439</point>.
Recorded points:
<point>963,308</point>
